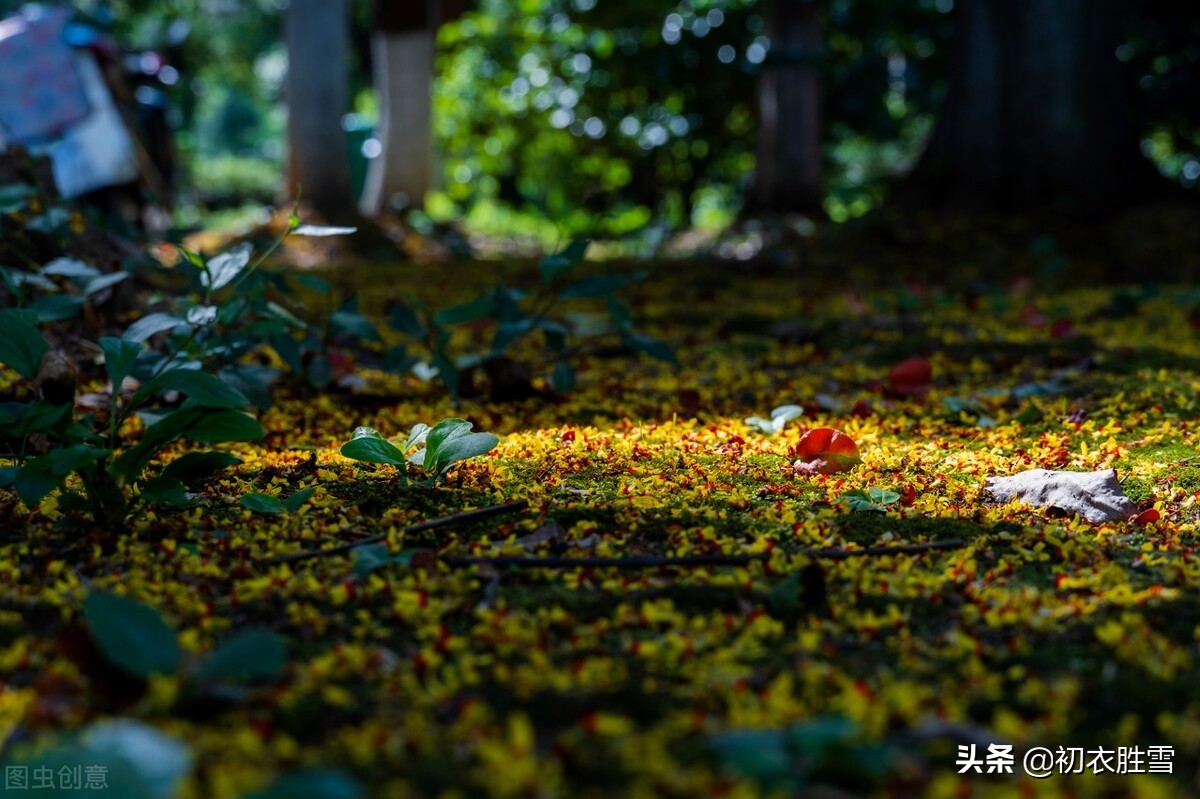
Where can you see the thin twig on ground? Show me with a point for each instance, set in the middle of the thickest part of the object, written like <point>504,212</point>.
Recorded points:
<point>516,506</point>
<point>656,561</point>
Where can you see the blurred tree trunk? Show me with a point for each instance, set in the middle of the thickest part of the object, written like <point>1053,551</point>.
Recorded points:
<point>402,65</point>
<point>402,57</point>
<point>317,33</point>
<point>788,175</point>
<point>1037,116</point>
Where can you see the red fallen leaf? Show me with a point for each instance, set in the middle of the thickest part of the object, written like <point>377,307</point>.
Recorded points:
<point>1147,516</point>
<point>912,375</point>
<point>908,495</point>
<point>824,450</point>
<point>862,409</point>
<point>1062,328</point>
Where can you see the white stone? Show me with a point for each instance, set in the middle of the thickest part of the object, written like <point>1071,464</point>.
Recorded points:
<point>1096,496</point>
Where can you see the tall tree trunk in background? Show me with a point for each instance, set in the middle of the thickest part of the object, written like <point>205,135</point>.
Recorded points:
<point>788,175</point>
<point>1036,116</point>
<point>402,53</point>
<point>317,33</point>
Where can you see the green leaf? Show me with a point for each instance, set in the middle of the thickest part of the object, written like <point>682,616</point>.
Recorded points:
<point>451,440</point>
<point>15,197</point>
<point>873,499</point>
<point>404,319</point>
<point>133,460</point>
<point>57,308</point>
<point>216,427</point>
<point>41,475</point>
<point>293,503</point>
<point>119,358</point>
<point>151,325</point>
<point>563,379</point>
<point>251,655</point>
<point>71,268</point>
<point>21,343</point>
<point>42,416</point>
<point>599,285</point>
<point>313,784</point>
<point>131,636</point>
<point>482,307</point>
<point>201,388</point>
<point>618,313</point>
<point>262,503</point>
<point>313,283</point>
<point>224,268</point>
<point>552,266</point>
<point>350,321</point>
<point>98,284</point>
<point>164,490</point>
<point>369,446</point>
<point>196,466</point>
<point>640,342</point>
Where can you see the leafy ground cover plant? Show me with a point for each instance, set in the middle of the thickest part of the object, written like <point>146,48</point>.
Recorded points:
<point>514,314</point>
<point>48,444</point>
<point>433,449</point>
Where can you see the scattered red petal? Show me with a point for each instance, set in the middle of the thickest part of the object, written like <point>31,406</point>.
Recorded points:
<point>911,376</point>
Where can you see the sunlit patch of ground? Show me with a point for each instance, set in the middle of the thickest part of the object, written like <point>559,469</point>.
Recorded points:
<point>431,680</point>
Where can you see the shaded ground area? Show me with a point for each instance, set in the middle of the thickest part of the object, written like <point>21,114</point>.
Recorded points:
<point>420,676</point>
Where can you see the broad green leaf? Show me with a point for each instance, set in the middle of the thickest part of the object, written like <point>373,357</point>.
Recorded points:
<point>98,284</point>
<point>599,285</point>
<point>56,308</point>
<point>369,446</point>
<point>313,283</point>
<point>618,313</point>
<point>262,503</point>
<point>640,342</point>
<point>41,475</point>
<point>15,197</point>
<point>119,358</point>
<point>196,466</point>
<point>151,325</point>
<point>71,268</point>
<point>873,499</point>
<point>451,440</point>
<point>352,323</point>
<point>21,343</point>
<point>417,436</point>
<point>404,319</point>
<point>224,268</point>
<point>220,426</point>
<point>252,655</point>
<point>164,490</point>
<point>552,266</point>
<point>201,389</point>
<point>370,557</point>
<point>481,307</point>
<point>131,636</point>
<point>132,461</point>
<point>42,416</point>
<point>293,503</point>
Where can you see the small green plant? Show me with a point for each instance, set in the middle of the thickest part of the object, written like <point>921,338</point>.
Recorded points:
<point>871,500</point>
<point>513,315</point>
<point>433,449</point>
<point>265,503</point>
<point>47,444</point>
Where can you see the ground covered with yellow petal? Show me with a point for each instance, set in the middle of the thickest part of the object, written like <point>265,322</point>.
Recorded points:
<point>792,664</point>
